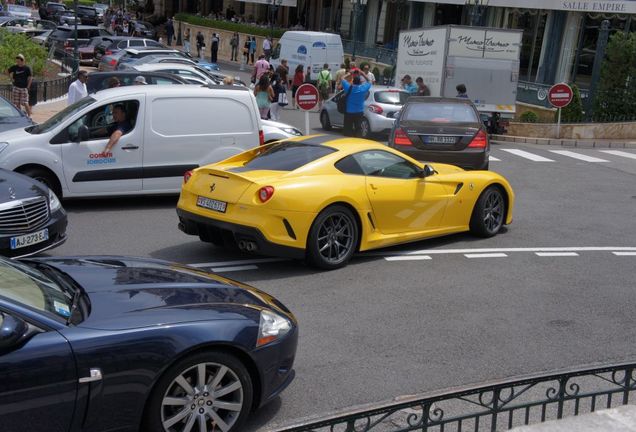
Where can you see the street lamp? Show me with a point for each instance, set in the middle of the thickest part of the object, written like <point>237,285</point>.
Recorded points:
<point>75,51</point>
<point>358,8</point>
<point>477,9</point>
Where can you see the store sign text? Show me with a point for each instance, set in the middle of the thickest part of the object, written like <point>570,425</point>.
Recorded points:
<point>419,45</point>
<point>597,6</point>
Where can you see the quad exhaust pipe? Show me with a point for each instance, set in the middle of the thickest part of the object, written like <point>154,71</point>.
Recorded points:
<point>247,246</point>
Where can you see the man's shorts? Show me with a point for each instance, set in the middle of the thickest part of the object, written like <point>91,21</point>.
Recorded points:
<point>19,96</point>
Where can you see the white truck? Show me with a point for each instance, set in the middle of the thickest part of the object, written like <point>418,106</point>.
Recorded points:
<point>485,60</point>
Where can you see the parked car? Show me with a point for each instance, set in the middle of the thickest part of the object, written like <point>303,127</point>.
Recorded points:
<point>133,54</point>
<point>16,11</point>
<point>101,10</point>
<point>67,18</point>
<point>118,43</point>
<point>380,108</point>
<point>276,131</point>
<point>67,150</point>
<point>87,15</point>
<point>11,117</point>
<point>114,343</point>
<point>42,38</point>
<point>323,198</point>
<point>31,217</point>
<point>54,8</point>
<point>183,70</point>
<point>143,29</point>
<point>63,38</point>
<point>98,81</point>
<point>447,130</point>
<point>30,23</point>
<point>152,59</point>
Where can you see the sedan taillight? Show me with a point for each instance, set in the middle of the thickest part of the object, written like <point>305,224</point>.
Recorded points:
<point>375,109</point>
<point>480,140</point>
<point>401,138</point>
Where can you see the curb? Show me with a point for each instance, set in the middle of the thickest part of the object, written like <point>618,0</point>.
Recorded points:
<point>563,142</point>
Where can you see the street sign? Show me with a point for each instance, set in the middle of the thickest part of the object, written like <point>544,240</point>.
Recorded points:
<point>560,95</point>
<point>307,97</point>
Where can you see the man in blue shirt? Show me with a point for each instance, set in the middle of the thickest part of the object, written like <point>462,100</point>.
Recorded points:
<point>357,93</point>
<point>409,85</point>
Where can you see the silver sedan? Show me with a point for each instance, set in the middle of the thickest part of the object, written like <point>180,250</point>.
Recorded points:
<point>380,109</point>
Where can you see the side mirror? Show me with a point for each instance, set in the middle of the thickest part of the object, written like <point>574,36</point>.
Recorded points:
<point>427,171</point>
<point>13,331</point>
<point>83,134</point>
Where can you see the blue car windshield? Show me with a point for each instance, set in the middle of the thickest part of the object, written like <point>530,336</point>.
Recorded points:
<point>28,286</point>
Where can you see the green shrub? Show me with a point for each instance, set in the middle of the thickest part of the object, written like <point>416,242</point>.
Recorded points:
<point>529,117</point>
<point>69,3</point>
<point>376,72</point>
<point>230,26</point>
<point>387,72</point>
<point>347,62</point>
<point>12,44</point>
<point>573,113</point>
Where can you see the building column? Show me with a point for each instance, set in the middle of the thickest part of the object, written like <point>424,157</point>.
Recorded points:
<point>568,46</point>
<point>429,15</point>
<point>555,27</point>
<point>345,26</point>
<point>381,23</point>
<point>371,21</point>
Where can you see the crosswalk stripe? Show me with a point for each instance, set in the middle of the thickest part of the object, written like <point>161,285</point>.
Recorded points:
<point>493,159</point>
<point>578,156</point>
<point>624,253</point>
<point>528,155</point>
<point>620,153</point>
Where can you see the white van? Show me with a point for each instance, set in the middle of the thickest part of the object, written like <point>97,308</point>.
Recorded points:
<point>309,49</point>
<point>173,129</point>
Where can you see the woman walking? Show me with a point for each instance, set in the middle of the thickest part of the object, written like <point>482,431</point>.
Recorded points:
<point>264,95</point>
<point>252,48</point>
<point>186,41</point>
<point>279,101</point>
<point>297,81</point>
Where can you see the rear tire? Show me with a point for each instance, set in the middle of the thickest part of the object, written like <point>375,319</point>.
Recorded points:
<point>45,177</point>
<point>488,214</point>
<point>365,128</point>
<point>324,121</point>
<point>333,238</point>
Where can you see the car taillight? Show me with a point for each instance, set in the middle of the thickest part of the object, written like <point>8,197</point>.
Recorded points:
<point>261,137</point>
<point>186,176</point>
<point>480,140</point>
<point>401,138</point>
<point>375,109</point>
<point>265,193</point>
<point>113,62</point>
<point>108,52</point>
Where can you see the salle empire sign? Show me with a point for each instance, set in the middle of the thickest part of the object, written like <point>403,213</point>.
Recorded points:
<point>596,6</point>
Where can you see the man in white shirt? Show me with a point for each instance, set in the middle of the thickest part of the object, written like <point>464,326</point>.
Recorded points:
<point>368,75</point>
<point>77,90</point>
<point>267,48</point>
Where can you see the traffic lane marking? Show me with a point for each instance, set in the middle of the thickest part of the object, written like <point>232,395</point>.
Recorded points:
<point>237,262</point>
<point>578,156</point>
<point>485,255</point>
<point>624,253</point>
<point>528,155</point>
<point>493,159</point>
<point>620,153</point>
<point>234,268</point>
<point>556,254</point>
<point>408,258</point>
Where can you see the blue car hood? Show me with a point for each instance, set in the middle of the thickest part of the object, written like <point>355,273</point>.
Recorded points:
<point>130,293</point>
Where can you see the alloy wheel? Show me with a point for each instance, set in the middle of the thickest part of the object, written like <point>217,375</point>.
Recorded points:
<point>206,397</point>
<point>335,237</point>
<point>493,212</point>
<point>365,128</point>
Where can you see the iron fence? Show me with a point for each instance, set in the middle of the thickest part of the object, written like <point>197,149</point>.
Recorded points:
<point>492,407</point>
<point>380,54</point>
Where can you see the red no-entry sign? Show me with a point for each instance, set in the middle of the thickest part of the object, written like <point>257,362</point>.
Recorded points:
<point>560,95</point>
<point>307,97</point>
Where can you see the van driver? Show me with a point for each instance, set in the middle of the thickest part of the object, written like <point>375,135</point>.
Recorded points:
<point>120,127</point>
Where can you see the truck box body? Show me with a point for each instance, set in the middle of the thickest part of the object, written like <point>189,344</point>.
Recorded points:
<point>485,60</point>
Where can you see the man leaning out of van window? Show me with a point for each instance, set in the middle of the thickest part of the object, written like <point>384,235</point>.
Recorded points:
<point>121,127</point>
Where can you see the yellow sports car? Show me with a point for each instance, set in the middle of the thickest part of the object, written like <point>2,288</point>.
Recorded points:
<point>323,198</point>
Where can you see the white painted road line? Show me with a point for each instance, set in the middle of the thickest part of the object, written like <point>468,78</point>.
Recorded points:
<point>556,254</point>
<point>494,250</point>
<point>493,159</point>
<point>528,155</point>
<point>620,153</point>
<point>485,255</point>
<point>624,253</point>
<point>408,258</point>
<point>578,156</point>
<point>232,269</point>
<point>238,262</point>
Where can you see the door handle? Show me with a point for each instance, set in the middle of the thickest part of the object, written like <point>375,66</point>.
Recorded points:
<point>130,147</point>
<point>373,186</point>
<point>95,375</point>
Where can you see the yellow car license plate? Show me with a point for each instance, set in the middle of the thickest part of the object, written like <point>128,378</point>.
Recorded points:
<point>29,239</point>
<point>212,204</point>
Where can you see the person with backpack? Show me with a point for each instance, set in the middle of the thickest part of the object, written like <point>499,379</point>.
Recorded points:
<point>324,85</point>
<point>355,94</point>
<point>280,98</point>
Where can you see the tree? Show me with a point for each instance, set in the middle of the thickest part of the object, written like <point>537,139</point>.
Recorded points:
<point>615,97</point>
<point>573,112</point>
<point>12,44</point>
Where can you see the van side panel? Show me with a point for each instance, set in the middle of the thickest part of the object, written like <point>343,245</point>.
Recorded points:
<point>186,132</point>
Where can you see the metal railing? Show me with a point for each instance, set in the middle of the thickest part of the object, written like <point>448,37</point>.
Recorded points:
<point>380,54</point>
<point>495,406</point>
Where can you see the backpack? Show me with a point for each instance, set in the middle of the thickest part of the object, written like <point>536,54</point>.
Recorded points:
<point>342,102</point>
<point>322,80</point>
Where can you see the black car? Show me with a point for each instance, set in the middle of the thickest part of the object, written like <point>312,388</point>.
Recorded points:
<point>446,130</point>
<point>127,344</point>
<point>11,117</point>
<point>100,80</point>
<point>31,216</point>
<point>63,37</point>
<point>87,15</point>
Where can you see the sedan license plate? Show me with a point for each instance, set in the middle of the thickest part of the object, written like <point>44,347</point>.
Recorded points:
<point>29,239</point>
<point>440,140</point>
<point>212,204</point>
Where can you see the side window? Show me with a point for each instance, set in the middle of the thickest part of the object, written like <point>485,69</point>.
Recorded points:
<point>152,43</point>
<point>377,163</point>
<point>102,123</point>
<point>161,81</point>
<point>122,44</point>
<point>276,52</point>
<point>349,165</point>
<point>136,43</point>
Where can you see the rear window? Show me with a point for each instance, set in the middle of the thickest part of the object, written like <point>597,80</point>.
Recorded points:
<point>440,112</point>
<point>87,11</point>
<point>285,157</point>
<point>392,97</point>
<point>61,34</point>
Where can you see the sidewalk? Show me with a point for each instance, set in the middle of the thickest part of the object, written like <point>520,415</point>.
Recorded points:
<point>580,143</point>
<point>45,110</point>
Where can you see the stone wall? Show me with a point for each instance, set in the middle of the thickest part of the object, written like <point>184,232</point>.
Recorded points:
<point>610,131</point>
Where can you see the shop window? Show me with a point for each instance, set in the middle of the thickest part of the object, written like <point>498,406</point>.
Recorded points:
<point>532,22</point>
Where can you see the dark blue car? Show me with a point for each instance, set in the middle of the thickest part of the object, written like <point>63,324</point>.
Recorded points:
<point>128,344</point>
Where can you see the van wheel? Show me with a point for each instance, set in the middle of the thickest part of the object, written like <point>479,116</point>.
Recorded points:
<point>45,177</point>
<point>324,121</point>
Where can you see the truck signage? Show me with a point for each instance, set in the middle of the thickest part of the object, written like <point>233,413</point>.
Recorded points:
<point>481,43</point>
<point>421,54</point>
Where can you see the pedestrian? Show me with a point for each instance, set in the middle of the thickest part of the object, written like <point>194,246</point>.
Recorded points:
<point>267,48</point>
<point>113,82</point>
<point>77,90</point>
<point>260,67</point>
<point>422,89</point>
<point>368,74</point>
<point>264,96</point>
<point>139,80</point>
<point>246,50</point>
<point>308,75</point>
<point>283,72</point>
<point>354,113</point>
<point>340,73</point>
<point>228,80</point>
<point>324,84</point>
<point>280,97</point>
<point>214,47</point>
<point>461,91</point>
<point>186,41</point>
<point>234,43</point>
<point>252,48</point>
<point>200,43</point>
<point>409,85</point>
<point>169,31</point>
<point>297,81</point>
<point>125,29</point>
<point>21,78</point>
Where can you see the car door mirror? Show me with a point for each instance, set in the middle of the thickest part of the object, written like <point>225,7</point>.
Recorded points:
<point>83,134</point>
<point>13,332</point>
<point>427,171</point>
